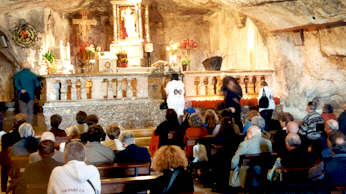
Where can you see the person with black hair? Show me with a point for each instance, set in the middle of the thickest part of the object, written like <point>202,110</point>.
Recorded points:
<point>311,121</point>
<point>55,121</point>
<point>169,130</point>
<point>95,152</point>
<point>81,118</point>
<point>175,95</point>
<point>39,172</point>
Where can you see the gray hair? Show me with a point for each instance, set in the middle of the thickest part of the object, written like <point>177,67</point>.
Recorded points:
<point>254,130</point>
<point>293,140</point>
<point>258,121</point>
<point>26,130</point>
<point>127,138</point>
<point>74,151</point>
<point>196,120</point>
<point>333,124</point>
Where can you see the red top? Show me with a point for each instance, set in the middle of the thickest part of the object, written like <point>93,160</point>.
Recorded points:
<point>328,116</point>
<point>191,135</point>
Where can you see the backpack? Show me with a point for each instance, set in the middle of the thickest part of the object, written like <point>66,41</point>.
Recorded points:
<point>263,101</point>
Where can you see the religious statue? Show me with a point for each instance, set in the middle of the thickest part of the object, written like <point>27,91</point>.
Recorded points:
<point>84,25</point>
<point>134,87</point>
<point>130,23</point>
<point>124,87</point>
<point>57,87</point>
<point>197,82</point>
<point>206,82</point>
<point>106,84</point>
<point>88,87</point>
<point>69,89</point>
<point>115,88</point>
<point>214,83</point>
<point>79,89</point>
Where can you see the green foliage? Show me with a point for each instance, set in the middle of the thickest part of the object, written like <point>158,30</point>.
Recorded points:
<point>49,57</point>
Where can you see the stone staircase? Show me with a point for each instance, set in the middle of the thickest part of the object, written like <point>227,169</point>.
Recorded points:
<point>142,136</point>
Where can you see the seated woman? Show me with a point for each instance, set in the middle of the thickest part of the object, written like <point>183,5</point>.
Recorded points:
<point>169,130</point>
<point>211,122</point>
<point>95,152</point>
<point>251,114</point>
<point>171,161</point>
<point>113,133</point>
<point>28,143</point>
<point>328,113</point>
<point>195,131</point>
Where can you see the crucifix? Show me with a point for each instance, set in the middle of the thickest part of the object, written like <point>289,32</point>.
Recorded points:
<point>84,25</point>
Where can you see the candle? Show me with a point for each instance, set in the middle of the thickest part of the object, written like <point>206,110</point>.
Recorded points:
<point>61,50</point>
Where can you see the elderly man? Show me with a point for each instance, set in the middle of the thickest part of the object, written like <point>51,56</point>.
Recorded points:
<point>296,156</point>
<point>254,143</point>
<point>256,121</point>
<point>25,83</point>
<point>335,167</point>
<point>331,125</point>
<point>132,152</point>
<point>75,176</point>
<point>28,143</point>
<point>57,155</point>
<point>292,127</point>
<point>310,123</point>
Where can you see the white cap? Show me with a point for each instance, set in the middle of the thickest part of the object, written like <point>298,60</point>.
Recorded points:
<point>48,136</point>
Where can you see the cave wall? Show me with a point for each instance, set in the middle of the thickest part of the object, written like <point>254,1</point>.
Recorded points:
<point>6,79</point>
<point>311,71</point>
<point>238,39</point>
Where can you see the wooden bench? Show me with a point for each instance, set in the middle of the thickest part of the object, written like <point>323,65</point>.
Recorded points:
<point>123,170</point>
<point>127,185</point>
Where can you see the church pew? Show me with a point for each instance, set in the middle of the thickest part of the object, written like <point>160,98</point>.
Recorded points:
<point>127,185</point>
<point>123,170</point>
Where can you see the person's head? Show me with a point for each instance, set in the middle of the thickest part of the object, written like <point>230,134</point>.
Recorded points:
<point>227,126</point>
<point>26,65</point>
<point>292,141</point>
<point>95,133</point>
<point>171,115</point>
<point>174,76</point>
<point>292,127</point>
<point>26,130</point>
<point>328,108</point>
<point>336,140</point>
<point>285,118</point>
<point>113,131</point>
<point>211,119</point>
<point>19,119</point>
<point>253,131</point>
<point>48,136</point>
<point>127,138</point>
<point>81,117</point>
<point>92,120</point>
<point>74,133</point>
<point>311,107</point>
<point>169,157</point>
<point>264,83</point>
<point>195,121</point>
<point>74,151</point>
<point>331,125</point>
<point>46,149</point>
<point>231,84</point>
<point>251,114</point>
<point>55,121</point>
<point>258,121</point>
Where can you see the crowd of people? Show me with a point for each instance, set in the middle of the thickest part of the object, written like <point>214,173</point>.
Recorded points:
<point>183,151</point>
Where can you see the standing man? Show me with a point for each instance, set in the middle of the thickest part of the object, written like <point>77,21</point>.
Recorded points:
<point>25,82</point>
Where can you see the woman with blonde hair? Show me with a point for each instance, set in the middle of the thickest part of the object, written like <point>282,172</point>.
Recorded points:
<point>172,162</point>
<point>211,122</point>
<point>193,133</point>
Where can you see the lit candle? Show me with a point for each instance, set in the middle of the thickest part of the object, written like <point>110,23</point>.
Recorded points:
<point>61,50</point>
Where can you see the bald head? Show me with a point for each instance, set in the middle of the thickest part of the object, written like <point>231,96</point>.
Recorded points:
<point>292,127</point>
<point>26,64</point>
<point>292,141</point>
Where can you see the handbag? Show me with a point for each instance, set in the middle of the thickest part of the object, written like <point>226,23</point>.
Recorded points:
<point>234,180</point>
<point>164,105</point>
<point>263,101</point>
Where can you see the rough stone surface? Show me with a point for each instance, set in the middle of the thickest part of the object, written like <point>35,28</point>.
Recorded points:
<point>127,114</point>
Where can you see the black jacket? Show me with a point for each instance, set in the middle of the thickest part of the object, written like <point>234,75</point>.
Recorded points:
<point>133,154</point>
<point>336,168</point>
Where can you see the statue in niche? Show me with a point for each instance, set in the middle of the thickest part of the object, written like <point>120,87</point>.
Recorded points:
<point>88,87</point>
<point>254,81</point>
<point>115,88</point>
<point>219,85</point>
<point>206,82</point>
<point>246,82</point>
<point>197,83</point>
<point>134,87</point>
<point>129,21</point>
<point>124,87</point>
<point>106,83</point>
<point>79,89</point>
<point>69,90</point>
<point>214,84</point>
<point>57,87</point>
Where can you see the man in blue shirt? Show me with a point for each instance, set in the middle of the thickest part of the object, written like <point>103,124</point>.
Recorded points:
<point>25,83</point>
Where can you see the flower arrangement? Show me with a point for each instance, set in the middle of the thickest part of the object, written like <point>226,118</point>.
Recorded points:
<point>49,56</point>
<point>187,45</point>
<point>122,58</point>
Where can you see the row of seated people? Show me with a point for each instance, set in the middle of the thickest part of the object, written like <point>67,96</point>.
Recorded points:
<point>310,145</point>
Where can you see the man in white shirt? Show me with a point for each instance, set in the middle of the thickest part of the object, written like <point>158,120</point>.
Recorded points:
<point>175,95</point>
<point>75,176</point>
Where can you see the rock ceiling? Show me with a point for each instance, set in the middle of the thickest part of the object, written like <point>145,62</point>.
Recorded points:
<point>274,14</point>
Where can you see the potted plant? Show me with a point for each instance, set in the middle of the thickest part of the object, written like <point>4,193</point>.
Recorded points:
<point>185,62</point>
<point>49,57</point>
<point>213,61</point>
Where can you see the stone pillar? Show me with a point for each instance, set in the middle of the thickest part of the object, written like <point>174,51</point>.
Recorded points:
<point>140,30</point>
<point>147,26</point>
<point>73,90</point>
<point>115,25</point>
<point>63,90</point>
